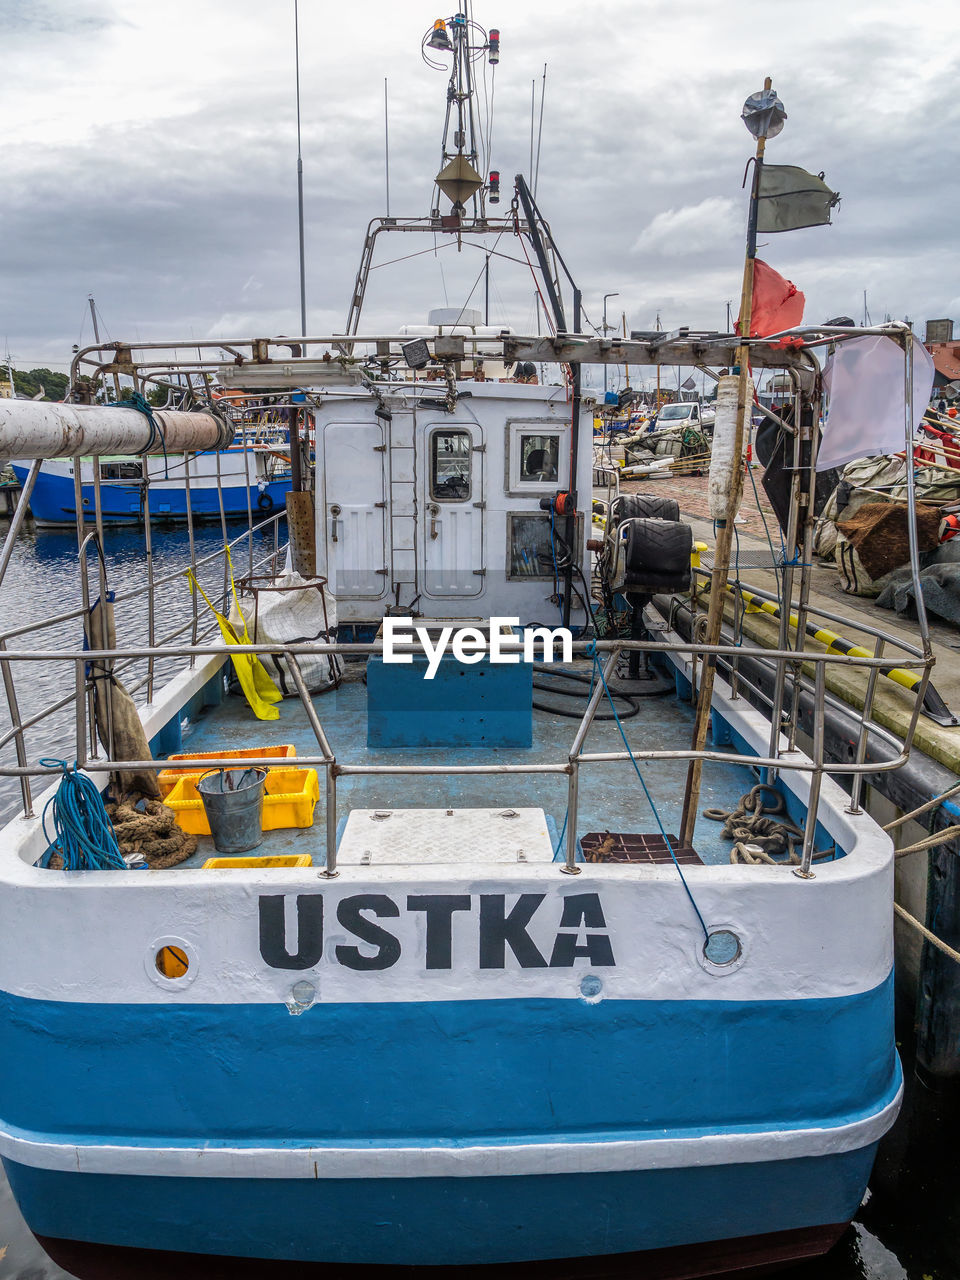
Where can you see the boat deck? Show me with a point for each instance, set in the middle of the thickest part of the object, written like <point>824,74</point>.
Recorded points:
<point>611,797</point>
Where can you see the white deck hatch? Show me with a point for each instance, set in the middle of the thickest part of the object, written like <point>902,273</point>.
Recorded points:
<point>396,836</point>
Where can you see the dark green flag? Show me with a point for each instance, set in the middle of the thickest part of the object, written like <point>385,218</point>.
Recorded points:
<point>790,198</point>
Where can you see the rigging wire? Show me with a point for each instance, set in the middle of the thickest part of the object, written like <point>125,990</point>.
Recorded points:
<point>546,310</point>
<point>474,288</point>
<point>598,668</point>
<point>521,262</point>
<point>407,256</point>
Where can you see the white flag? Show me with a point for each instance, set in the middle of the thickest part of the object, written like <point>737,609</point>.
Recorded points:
<point>866,409</point>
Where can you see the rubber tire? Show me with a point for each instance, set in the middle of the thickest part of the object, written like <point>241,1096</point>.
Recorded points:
<point>662,546</point>
<point>265,502</point>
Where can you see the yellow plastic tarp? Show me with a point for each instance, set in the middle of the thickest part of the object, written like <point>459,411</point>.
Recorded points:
<point>258,688</point>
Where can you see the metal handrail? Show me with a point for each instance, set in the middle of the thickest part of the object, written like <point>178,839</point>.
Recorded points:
<point>134,593</point>
<point>111,358</point>
<point>583,647</point>
<point>816,764</point>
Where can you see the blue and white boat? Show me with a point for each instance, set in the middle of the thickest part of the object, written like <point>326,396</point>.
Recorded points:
<point>453,1039</point>
<point>246,477</point>
<point>522,1004</point>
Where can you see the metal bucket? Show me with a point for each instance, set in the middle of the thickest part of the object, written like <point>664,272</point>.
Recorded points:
<point>233,802</point>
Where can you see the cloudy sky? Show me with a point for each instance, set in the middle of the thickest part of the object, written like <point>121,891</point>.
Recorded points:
<point>149,157</point>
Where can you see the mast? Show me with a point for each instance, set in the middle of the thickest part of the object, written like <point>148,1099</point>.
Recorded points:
<point>303,278</point>
<point>93,316</point>
<point>725,526</point>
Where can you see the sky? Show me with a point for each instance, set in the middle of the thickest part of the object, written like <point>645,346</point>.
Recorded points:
<point>148,156</point>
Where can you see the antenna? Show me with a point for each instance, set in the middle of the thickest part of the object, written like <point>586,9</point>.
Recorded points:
<point>533,116</point>
<point>303,276</point>
<point>386,143</point>
<point>535,176</point>
<point>466,42</point>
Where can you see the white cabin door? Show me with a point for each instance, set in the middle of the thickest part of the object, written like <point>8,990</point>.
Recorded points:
<point>355,510</point>
<point>451,509</point>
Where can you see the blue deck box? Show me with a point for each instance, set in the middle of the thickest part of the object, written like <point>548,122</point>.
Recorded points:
<point>478,704</point>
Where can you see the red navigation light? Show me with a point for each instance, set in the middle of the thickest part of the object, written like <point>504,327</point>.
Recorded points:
<point>494,46</point>
<point>493,186</point>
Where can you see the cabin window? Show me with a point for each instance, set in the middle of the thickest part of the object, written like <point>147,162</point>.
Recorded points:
<point>121,471</point>
<point>538,457</point>
<point>450,465</point>
<point>534,460</point>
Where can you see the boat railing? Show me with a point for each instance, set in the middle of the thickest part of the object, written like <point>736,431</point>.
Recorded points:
<point>166,595</point>
<point>356,360</point>
<point>785,756</point>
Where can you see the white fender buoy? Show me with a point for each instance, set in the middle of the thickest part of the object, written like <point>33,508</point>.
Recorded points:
<point>726,470</point>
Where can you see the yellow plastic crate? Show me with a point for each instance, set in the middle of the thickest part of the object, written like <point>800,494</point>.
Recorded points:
<point>276,860</point>
<point>168,778</point>
<point>290,795</point>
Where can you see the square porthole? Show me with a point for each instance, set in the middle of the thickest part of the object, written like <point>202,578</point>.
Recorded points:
<point>535,459</point>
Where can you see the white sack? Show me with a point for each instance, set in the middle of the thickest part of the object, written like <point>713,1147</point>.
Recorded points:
<point>295,617</point>
<point>866,413</point>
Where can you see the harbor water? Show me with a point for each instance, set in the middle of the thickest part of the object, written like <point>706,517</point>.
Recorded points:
<point>909,1223</point>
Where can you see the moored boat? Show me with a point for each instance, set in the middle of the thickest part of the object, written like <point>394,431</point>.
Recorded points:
<point>232,482</point>
<point>469,1022</point>
<point>512,998</point>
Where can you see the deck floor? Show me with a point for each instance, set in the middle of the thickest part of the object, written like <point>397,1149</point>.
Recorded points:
<point>611,797</point>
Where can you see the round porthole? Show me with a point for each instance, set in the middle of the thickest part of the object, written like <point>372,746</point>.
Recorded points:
<point>171,963</point>
<point>722,947</point>
<point>722,950</point>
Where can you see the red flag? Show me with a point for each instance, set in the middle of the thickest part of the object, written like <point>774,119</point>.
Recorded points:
<point>777,303</point>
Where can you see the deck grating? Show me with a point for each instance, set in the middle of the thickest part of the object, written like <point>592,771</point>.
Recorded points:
<point>619,846</point>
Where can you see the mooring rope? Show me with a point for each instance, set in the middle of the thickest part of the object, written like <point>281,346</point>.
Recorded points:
<point>929,842</point>
<point>930,937</point>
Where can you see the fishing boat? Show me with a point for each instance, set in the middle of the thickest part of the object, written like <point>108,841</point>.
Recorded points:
<point>248,477</point>
<point>510,998</point>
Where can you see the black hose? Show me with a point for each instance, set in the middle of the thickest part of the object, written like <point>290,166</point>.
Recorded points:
<point>633,707</point>
<point>564,561</point>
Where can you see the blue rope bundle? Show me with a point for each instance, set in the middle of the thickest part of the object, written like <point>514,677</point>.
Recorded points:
<point>83,833</point>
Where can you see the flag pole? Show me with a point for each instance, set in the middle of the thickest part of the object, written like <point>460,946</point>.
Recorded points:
<point>725,527</point>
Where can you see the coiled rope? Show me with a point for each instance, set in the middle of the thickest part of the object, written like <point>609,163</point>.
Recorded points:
<point>147,831</point>
<point>758,836</point>
<point>83,834</point>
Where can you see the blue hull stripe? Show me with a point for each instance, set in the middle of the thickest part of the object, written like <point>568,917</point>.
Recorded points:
<point>441,1221</point>
<point>53,500</point>
<point>422,1073</point>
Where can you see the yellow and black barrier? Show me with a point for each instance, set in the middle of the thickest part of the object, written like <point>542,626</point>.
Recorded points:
<point>933,704</point>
